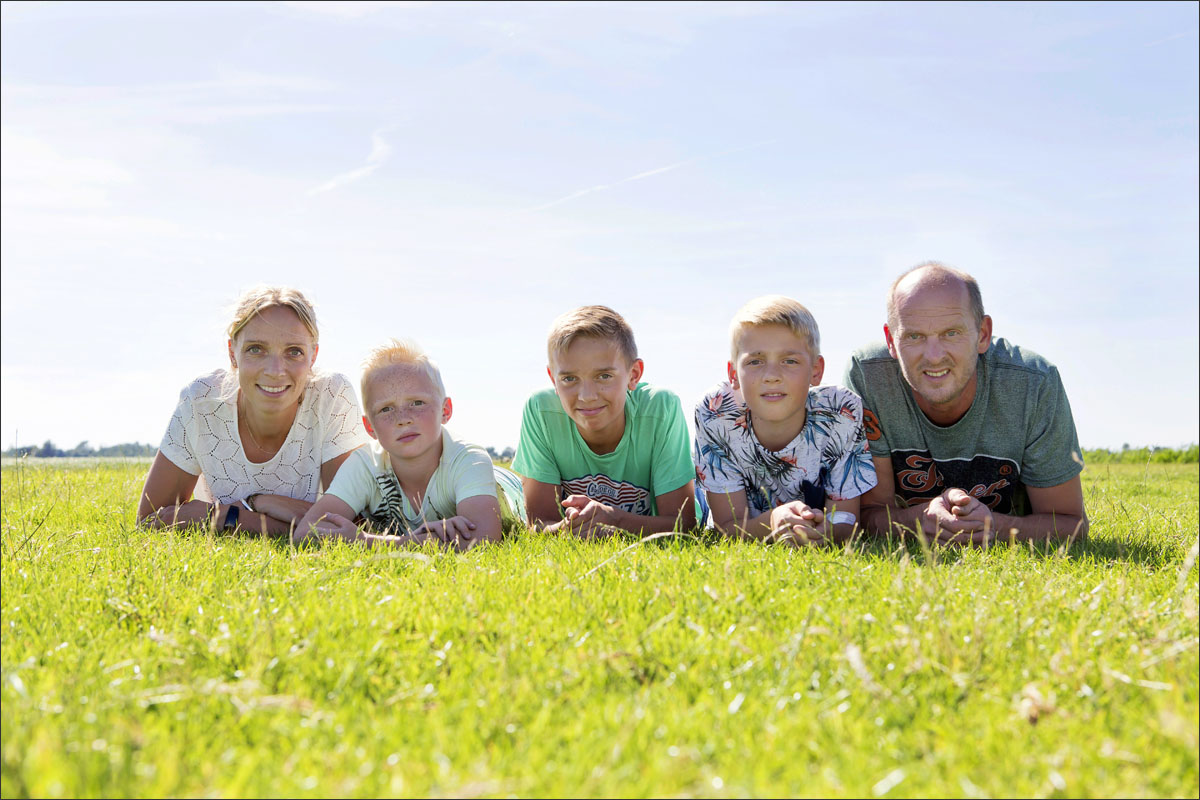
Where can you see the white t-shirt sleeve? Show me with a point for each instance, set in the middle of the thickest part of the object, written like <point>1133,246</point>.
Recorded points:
<point>473,475</point>
<point>355,484</point>
<point>176,443</point>
<point>342,416</point>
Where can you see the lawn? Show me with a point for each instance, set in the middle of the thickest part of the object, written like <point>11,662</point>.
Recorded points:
<point>185,664</point>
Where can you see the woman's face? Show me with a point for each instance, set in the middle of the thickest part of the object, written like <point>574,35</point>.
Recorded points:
<point>273,355</point>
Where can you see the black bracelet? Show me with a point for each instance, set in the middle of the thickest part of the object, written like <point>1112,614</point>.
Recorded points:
<point>231,517</point>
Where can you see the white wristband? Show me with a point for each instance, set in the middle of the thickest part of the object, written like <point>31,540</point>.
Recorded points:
<point>842,518</point>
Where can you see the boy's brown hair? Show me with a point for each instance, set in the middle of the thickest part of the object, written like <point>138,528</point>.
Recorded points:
<point>595,322</point>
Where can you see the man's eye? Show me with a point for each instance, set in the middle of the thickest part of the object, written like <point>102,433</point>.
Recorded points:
<point>912,337</point>
<point>951,333</point>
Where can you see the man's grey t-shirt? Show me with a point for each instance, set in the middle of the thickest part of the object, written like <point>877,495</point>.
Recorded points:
<point>1018,432</point>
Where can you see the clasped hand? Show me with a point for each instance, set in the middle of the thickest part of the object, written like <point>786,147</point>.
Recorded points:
<point>955,517</point>
<point>458,530</point>
<point>797,523</point>
<point>590,519</point>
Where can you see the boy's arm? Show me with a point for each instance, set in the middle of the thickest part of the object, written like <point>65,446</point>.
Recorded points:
<point>329,517</point>
<point>794,522</point>
<point>477,520</point>
<point>542,505</point>
<point>588,518</point>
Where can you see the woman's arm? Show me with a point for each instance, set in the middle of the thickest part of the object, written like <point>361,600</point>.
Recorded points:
<point>330,468</point>
<point>167,486</point>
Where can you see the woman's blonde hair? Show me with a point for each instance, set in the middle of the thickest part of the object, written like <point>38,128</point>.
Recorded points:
<point>260,298</point>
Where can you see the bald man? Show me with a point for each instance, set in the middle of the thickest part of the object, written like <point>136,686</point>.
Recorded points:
<point>972,438</point>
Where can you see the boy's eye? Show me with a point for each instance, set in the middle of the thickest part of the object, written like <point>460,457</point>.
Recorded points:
<point>604,376</point>
<point>418,403</point>
<point>567,378</point>
<point>384,410</point>
<point>790,361</point>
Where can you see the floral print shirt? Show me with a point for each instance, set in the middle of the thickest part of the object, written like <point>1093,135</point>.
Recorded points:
<point>828,459</point>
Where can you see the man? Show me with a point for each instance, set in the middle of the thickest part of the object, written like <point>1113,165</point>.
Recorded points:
<point>972,438</point>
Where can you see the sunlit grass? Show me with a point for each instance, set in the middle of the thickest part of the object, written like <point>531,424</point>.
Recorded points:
<point>141,663</point>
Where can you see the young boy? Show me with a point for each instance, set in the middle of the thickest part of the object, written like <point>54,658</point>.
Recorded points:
<point>415,482</point>
<point>601,452</point>
<point>779,457</point>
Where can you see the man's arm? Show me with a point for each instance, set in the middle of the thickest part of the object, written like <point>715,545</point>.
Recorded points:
<point>955,517</point>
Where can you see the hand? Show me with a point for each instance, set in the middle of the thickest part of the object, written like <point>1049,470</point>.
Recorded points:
<point>955,517</point>
<point>193,512</point>
<point>452,530</point>
<point>797,524</point>
<point>591,519</point>
<point>331,526</point>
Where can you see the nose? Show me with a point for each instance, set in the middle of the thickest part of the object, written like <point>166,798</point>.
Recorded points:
<point>275,365</point>
<point>587,390</point>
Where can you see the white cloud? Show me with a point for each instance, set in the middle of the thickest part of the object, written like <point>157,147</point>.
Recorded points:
<point>381,151</point>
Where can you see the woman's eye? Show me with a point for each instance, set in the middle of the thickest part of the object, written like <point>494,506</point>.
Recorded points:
<point>253,349</point>
<point>295,352</point>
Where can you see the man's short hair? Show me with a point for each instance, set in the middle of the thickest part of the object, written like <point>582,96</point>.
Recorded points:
<point>400,351</point>
<point>939,273</point>
<point>593,322</point>
<point>775,309</point>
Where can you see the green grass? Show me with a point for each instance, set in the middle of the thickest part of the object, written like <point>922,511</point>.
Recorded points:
<point>142,663</point>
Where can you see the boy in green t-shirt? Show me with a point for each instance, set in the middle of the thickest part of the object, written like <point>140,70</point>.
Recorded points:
<point>601,452</point>
<point>415,482</point>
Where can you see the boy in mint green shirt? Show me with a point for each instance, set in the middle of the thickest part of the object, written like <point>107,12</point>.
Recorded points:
<point>601,452</point>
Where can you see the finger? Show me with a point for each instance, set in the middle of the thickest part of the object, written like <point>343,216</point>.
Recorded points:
<point>576,501</point>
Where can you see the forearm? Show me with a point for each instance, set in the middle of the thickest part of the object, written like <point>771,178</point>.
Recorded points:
<point>278,507</point>
<point>754,528</point>
<point>1040,528</point>
<point>884,520</point>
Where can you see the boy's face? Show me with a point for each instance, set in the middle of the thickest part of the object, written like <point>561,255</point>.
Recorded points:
<point>591,378</point>
<point>774,370</point>
<point>404,411</point>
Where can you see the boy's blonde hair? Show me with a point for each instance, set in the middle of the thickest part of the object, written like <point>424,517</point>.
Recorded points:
<point>775,309</point>
<point>260,298</point>
<point>595,322</point>
<point>401,351</point>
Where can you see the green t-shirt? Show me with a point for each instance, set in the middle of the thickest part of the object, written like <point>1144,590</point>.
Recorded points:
<point>653,457</point>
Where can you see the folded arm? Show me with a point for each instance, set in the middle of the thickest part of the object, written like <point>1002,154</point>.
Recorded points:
<point>956,517</point>
<point>794,522</point>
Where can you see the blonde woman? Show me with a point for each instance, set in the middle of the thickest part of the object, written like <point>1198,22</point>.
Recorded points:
<point>250,446</point>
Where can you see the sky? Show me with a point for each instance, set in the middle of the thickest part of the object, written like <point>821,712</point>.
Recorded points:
<point>461,174</point>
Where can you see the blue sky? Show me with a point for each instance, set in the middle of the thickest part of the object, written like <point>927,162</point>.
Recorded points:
<point>461,174</point>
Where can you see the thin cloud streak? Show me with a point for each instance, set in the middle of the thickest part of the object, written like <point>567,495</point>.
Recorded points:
<point>648,173</point>
<point>381,151</point>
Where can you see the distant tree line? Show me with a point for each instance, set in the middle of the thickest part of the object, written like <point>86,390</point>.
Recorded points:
<point>82,450</point>
<point>1144,455</point>
<point>1126,455</point>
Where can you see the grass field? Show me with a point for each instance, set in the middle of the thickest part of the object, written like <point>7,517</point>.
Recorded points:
<point>141,663</point>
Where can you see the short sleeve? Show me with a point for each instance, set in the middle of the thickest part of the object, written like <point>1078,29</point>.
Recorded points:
<point>177,442</point>
<point>473,475</point>
<point>855,381</point>
<point>852,474</point>
<point>1052,454</point>
<point>343,419</point>
<point>354,484</point>
<point>716,467</point>
<point>671,465</point>
<point>535,457</point>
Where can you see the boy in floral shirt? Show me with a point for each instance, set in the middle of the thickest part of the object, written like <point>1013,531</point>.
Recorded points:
<point>779,457</point>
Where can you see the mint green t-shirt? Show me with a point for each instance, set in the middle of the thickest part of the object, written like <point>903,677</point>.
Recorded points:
<point>653,457</point>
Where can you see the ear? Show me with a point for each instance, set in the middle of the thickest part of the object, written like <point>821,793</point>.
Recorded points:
<point>313,360</point>
<point>447,410</point>
<point>733,380</point>
<point>891,343</point>
<point>635,373</point>
<point>550,375</point>
<point>985,335</point>
<point>232,360</point>
<point>370,430</point>
<point>818,371</point>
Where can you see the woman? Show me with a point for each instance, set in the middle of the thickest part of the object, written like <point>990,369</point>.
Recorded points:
<point>249,447</point>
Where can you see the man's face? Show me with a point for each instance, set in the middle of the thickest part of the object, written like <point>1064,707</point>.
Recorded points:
<point>774,370</point>
<point>938,347</point>
<point>405,412</point>
<point>591,377</point>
